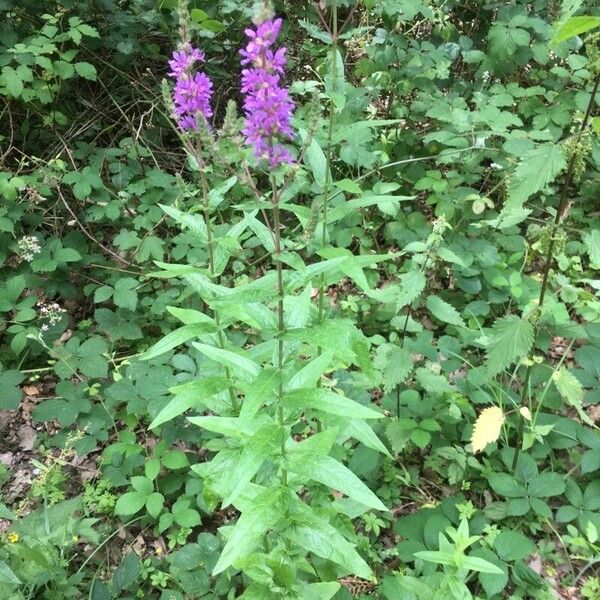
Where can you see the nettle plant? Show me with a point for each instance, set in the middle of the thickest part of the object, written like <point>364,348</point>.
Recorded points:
<point>267,350</point>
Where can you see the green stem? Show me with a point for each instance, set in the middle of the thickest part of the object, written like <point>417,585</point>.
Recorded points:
<point>211,266</point>
<point>280,322</point>
<point>560,214</point>
<point>327,184</point>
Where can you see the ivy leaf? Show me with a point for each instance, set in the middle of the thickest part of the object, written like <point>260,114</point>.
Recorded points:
<point>511,339</point>
<point>536,170</point>
<point>571,390</point>
<point>444,311</point>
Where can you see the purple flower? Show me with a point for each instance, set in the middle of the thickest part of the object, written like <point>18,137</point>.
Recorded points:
<point>193,91</point>
<point>267,105</point>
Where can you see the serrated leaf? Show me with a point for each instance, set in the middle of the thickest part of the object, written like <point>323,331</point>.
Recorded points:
<point>411,286</point>
<point>487,428</point>
<point>127,573</point>
<point>511,339</point>
<point>444,311</point>
<point>571,390</point>
<point>395,365</point>
<point>535,171</point>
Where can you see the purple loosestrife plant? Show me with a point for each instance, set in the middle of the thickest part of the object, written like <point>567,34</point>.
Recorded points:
<point>267,105</point>
<point>193,91</point>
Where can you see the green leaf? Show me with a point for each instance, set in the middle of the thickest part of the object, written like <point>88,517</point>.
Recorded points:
<point>240,364</point>
<point>10,393</point>
<point>511,339</point>
<point>127,573</point>
<point>535,171</point>
<point>333,474</point>
<point>142,485</point>
<point>420,438</point>
<point>7,575</point>
<point>474,563</point>
<point>177,337</point>
<point>315,157</point>
<point>592,244</point>
<point>235,427</point>
<point>395,364</point>
<point>86,70</point>
<point>347,185</point>
<point>189,396</point>
<point>155,503</point>
<point>545,485</point>
<point>174,459</point>
<point>411,286</point>
<point>571,390</point>
<point>310,373</point>
<point>130,503</point>
<point>325,541</point>
<point>513,545</point>
<point>444,311</point>
<point>12,81</point>
<point>260,447</point>
<point>506,485</point>
<point>435,556</point>
<point>259,391</point>
<point>574,26</point>
<point>326,401</point>
<point>261,515</point>
<point>102,294</point>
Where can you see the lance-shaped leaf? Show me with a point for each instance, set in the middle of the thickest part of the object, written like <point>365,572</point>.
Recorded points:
<point>262,445</point>
<point>243,366</point>
<point>177,337</point>
<point>333,474</point>
<point>326,401</point>
<point>264,512</point>
<point>189,395</point>
<point>234,427</point>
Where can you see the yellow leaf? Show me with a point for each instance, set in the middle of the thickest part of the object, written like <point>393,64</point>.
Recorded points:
<point>525,413</point>
<point>487,428</point>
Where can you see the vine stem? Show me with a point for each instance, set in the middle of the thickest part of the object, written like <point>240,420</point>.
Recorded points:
<point>561,214</point>
<point>280,320</point>
<point>211,267</point>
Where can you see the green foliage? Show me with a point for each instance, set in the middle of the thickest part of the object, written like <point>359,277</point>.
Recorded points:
<point>245,439</point>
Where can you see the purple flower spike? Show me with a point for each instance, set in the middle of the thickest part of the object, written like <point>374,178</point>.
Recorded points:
<point>267,105</point>
<point>193,91</point>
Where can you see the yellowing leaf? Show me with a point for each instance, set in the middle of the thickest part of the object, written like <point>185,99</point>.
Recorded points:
<point>487,428</point>
<point>525,413</point>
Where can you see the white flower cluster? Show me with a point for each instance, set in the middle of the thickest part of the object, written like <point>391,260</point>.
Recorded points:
<point>51,311</point>
<point>29,246</point>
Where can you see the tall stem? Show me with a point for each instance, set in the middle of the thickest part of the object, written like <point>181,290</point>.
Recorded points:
<point>211,267</point>
<point>280,321</point>
<point>327,184</point>
<point>560,215</point>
